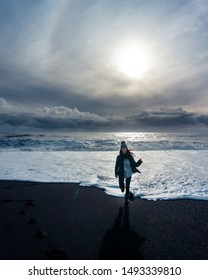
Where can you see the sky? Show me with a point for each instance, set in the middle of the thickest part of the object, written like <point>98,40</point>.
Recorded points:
<point>103,65</point>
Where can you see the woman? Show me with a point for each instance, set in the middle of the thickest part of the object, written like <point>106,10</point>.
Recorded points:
<point>125,167</point>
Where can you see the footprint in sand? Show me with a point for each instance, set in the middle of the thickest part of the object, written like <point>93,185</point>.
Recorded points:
<point>54,253</point>
<point>40,234</point>
<point>29,203</point>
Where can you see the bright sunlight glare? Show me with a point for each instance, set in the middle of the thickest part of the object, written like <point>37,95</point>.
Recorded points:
<point>133,62</point>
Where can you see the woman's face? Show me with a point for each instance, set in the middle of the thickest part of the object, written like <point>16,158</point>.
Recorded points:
<point>124,150</point>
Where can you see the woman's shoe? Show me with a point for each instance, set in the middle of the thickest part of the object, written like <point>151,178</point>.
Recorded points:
<point>122,188</point>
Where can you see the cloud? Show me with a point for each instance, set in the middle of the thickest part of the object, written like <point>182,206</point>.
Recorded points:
<point>168,118</point>
<point>14,117</point>
<point>71,119</point>
<point>62,112</point>
<point>60,53</point>
<point>9,108</point>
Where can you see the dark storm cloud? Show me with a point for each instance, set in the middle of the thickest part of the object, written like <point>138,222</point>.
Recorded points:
<point>170,118</point>
<point>14,117</point>
<point>71,119</point>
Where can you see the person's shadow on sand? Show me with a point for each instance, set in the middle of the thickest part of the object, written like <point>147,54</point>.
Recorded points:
<point>121,243</point>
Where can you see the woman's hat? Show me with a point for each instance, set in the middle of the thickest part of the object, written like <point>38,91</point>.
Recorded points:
<point>123,145</point>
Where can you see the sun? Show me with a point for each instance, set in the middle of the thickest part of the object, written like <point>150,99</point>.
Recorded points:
<point>133,62</point>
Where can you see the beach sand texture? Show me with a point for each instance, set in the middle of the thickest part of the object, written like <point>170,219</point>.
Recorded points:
<point>66,221</point>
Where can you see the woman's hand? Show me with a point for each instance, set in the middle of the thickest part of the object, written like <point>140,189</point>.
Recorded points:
<point>139,162</point>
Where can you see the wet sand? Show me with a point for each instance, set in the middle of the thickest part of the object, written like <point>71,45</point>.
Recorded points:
<point>66,221</point>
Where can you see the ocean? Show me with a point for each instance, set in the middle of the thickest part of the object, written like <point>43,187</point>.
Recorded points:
<point>174,164</point>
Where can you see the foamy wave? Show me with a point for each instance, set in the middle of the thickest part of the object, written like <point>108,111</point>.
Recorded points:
<point>165,174</point>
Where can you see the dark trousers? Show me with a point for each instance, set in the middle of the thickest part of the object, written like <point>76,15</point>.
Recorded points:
<point>121,183</point>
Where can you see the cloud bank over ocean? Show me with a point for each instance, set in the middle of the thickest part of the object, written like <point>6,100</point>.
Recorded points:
<point>14,117</point>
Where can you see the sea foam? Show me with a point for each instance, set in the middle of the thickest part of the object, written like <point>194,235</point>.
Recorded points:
<point>169,174</point>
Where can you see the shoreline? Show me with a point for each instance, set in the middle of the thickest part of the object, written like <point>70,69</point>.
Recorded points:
<point>27,182</point>
<point>69,221</point>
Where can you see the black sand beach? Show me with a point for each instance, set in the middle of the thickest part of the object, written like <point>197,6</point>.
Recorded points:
<point>66,221</point>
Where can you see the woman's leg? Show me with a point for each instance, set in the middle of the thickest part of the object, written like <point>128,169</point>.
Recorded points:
<point>128,180</point>
<point>121,183</point>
